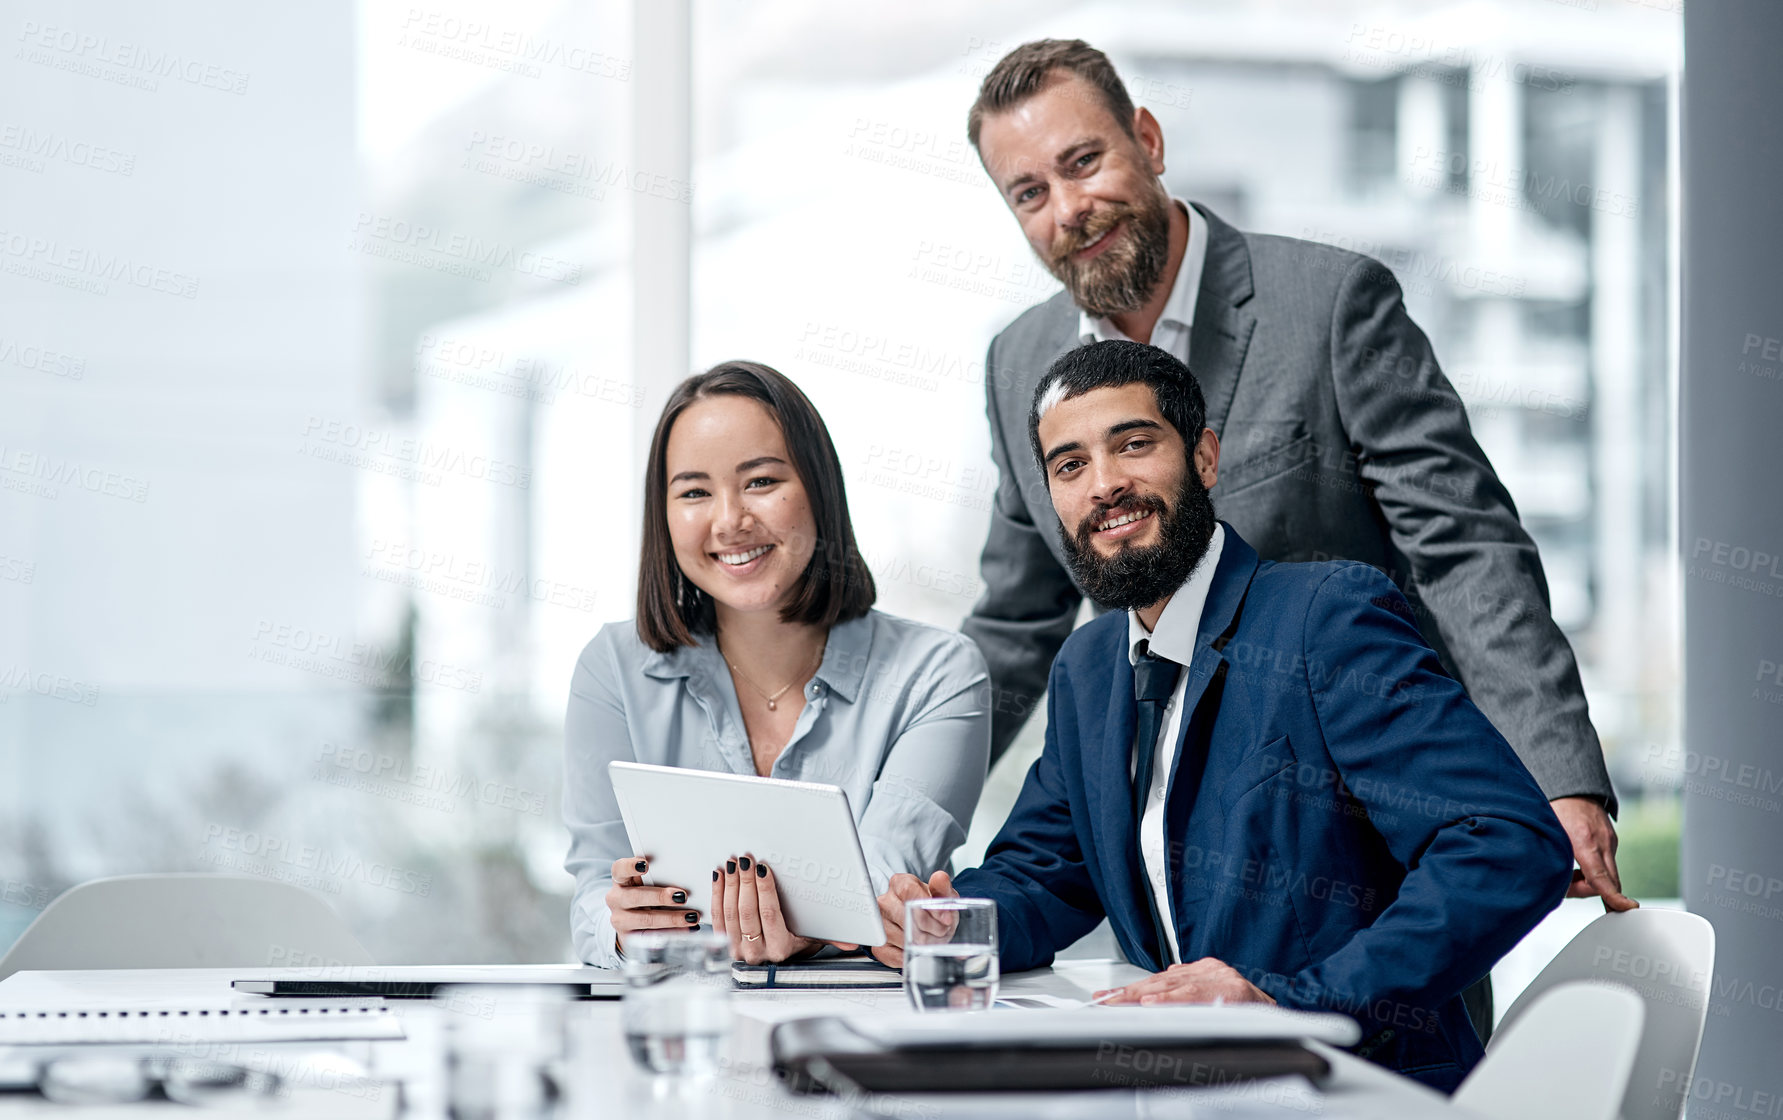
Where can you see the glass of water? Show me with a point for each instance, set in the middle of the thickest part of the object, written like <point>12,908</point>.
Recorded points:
<point>950,953</point>
<point>677,999</point>
<point>502,1045</point>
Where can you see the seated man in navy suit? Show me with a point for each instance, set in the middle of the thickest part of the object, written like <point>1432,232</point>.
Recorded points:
<point>1258,772</point>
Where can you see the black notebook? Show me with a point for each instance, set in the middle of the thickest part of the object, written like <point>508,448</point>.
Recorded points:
<point>834,972</point>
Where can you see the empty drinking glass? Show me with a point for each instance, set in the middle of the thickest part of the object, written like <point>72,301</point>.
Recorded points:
<point>677,999</point>
<point>950,953</point>
<point>502,1044</point>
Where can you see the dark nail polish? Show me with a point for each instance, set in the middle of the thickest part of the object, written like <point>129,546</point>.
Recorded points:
<point>715,874</point>
<point>730,867</point>
<point>693,918</point>
<point>761,871</point>
<point>743,863</point>
<point>643,865</point>
<point>678,897</point>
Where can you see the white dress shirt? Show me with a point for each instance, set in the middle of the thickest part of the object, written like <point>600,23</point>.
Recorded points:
<point>1172,331</point>
<point>1174,639</point>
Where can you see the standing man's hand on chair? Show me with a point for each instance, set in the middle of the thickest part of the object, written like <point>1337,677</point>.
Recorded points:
<point>1593,839</point>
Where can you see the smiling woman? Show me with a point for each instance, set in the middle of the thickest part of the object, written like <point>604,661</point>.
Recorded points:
<point>757,650</point>
<point>740,462</point>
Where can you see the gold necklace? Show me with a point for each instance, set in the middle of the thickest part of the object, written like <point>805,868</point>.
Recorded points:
<point>781,691</point>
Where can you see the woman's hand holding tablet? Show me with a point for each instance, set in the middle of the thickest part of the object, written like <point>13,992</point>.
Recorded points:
<point>635,906</point>
<point>746,906</point>
<point>816,890</point>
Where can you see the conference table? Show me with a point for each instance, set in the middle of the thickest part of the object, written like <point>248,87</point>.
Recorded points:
<point>357,1080</point>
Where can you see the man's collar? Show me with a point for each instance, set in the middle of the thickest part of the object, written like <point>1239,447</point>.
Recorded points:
<point>1226,273</point>
<point>1231,582</point>
<point>1176,634</point>
<point>1184,286</point>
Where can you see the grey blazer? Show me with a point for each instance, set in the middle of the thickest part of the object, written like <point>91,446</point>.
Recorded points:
<point>1340,438</point>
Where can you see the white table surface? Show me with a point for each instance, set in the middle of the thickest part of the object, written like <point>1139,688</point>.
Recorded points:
<point>607,1084</point>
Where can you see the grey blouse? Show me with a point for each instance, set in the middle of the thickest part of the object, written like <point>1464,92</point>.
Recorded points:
<point>898,715</point>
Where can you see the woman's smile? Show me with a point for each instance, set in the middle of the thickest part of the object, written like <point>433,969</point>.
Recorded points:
<point>742,561</point>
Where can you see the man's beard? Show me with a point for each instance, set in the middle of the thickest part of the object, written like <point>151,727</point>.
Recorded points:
<point>1137,576</point>
<point>1123,276</point>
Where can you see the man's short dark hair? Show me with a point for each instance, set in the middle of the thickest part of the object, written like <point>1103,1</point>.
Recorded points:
<point>835,587</point>
<point>1027,70</point>
<point>1111,364</point>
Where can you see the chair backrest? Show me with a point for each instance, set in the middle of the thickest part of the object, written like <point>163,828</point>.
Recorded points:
<point>184,921</point>
<point>1567,1058</point>
<point>1667,957</point>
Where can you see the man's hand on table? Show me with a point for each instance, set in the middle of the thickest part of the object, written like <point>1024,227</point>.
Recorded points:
<point>1593,839</point>
<point>900,890</point>
<point>1204,981</point>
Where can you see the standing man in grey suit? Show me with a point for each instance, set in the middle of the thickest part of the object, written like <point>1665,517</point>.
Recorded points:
<point>1345,439</point>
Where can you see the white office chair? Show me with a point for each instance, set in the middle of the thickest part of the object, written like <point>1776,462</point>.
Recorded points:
<point>1667,958</point>
<point>184,921</point>
<point>1567,1058</point>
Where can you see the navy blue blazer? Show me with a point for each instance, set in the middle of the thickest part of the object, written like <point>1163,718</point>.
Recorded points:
<point>1345,827</point>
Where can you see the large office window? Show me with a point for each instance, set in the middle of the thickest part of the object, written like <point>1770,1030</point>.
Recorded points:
<point>320,444</point>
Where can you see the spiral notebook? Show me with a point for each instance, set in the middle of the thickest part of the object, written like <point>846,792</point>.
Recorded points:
<point>187,1023</point>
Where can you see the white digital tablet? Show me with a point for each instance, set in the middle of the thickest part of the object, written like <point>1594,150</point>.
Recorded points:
<point>688,822</point>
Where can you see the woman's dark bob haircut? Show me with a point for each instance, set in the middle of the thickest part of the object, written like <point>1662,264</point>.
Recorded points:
<point>835,587</point>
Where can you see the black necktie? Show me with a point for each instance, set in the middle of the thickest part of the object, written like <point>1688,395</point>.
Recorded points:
<point>1154,679</point>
